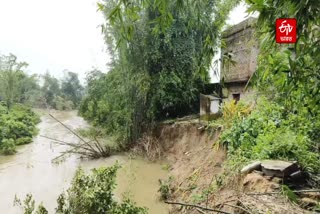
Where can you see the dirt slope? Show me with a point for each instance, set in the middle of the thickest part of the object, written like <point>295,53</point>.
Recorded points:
<point>197,167</point>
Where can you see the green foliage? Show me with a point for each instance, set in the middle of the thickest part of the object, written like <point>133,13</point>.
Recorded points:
<point>160,68</point>
<point>23,140</point>
<point>289,74</point>
<point>16,86</point>
<point>60,103</point>
<point>286,125</point>
<point>94,194</point>
<point>8,146</point>
<point>116,103</point>
<point>50,89</point>
<point>269,133</point>
<point>231,112</point>
<point>17,126</point>
<point>165,189</point>
<point>286,191</point>
<point>28,205</point>
<point>71,88</point>
<point>10,71</point>
<point>64,95</point>
<point>88,194</point>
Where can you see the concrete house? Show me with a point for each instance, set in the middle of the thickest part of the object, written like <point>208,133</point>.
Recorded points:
<point>238,59</point>
<point>236,65</point>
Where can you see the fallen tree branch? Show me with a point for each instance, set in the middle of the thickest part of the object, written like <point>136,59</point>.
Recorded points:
<point>221,204</point>
<point>196,206</point>
<point>279,192</point>
<point>73,132</point>
<point>91,149</point>
<point>76,146</point>
<point>238,207</point>
<point>200,211</point>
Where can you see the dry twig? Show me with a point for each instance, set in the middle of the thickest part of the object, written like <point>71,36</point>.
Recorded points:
<point>91,149</point>
<point>196,206</point>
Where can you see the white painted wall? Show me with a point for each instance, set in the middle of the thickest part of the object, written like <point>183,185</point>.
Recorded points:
<point>237,15</point>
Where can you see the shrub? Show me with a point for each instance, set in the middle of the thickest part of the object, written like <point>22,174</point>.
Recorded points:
<point>23,140</point>
<point>269,132</point>
<point>94,194</point>
<point>61,103</point>
<point>17,127</point>
<point>8,146</point>
<point>90,194</point>
<point>165,188</point>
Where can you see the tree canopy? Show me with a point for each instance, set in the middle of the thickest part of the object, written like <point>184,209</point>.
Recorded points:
<point>161,56</point>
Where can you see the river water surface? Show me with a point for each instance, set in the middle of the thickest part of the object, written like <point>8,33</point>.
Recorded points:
<point>31,170</point>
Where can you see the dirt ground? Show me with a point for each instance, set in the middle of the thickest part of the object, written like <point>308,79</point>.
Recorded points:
<point>197,167</point>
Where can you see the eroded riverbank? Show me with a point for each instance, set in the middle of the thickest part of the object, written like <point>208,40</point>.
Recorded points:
<point>31,170</point>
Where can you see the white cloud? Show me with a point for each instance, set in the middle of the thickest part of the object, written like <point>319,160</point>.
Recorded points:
<point>53,34</point>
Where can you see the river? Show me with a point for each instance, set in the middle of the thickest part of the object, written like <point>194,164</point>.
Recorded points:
<point>31,170</point>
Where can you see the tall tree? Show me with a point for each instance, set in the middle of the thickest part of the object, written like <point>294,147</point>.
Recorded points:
<point>10,71</point>
<point>161,55</point>
<point>71,87</point>
<point>50,88</point>
<point>29,89</point>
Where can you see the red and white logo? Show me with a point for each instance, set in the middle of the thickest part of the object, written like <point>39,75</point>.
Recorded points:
<point>286,30</point>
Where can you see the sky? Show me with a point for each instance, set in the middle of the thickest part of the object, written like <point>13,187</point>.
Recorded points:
<point>54,35</point>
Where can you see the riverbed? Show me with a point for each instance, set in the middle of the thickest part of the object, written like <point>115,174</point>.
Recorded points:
<point>31,170</point>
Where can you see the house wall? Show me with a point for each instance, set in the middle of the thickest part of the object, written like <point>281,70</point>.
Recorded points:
<point>238,88</point>
<point>241,51</point>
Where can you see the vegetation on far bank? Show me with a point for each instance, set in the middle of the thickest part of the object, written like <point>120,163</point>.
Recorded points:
<point>19,92</point>
<point>17,126</point>
<point>41,91</point>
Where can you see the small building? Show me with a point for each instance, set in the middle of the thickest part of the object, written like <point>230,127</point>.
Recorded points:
<point>209,107</point>
<point>238,59</point>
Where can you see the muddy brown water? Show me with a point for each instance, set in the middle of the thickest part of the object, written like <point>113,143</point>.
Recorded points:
<point>31,170</point>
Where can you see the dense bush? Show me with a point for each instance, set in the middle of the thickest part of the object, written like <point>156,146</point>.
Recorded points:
<point>62,94</point>
<point>269,132</point>
<point>17,126</point>
<point>61,103</point>
<point>88,194</point>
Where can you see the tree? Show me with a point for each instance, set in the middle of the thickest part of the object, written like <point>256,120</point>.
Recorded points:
<point>50,88</point>
<point>71,87</point>
<point>30,90</point>
<point>161,55</point>
<point>10,70</point>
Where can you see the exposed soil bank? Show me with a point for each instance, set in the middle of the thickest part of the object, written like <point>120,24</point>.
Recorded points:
<point>197,166</point>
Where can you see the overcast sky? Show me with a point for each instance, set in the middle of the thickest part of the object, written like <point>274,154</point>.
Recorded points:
<point>53,34</point>
<point>59,34</point>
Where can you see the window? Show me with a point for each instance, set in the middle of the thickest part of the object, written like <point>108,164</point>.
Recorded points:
<point>236,97</point>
